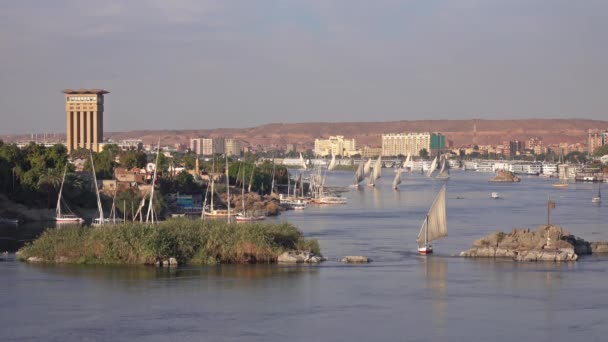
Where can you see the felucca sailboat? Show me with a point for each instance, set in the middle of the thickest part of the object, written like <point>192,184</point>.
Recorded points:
<point>435,224</point>
<point>60,215</point>
<point>359,174</point>
<point>376,173</point>
<point>397,180</point>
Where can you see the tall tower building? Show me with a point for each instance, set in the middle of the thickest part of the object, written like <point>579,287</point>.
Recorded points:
<point>84,114</point>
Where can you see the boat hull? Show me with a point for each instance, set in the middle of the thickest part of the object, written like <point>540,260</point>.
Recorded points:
<point>425,250</point>
<point>68,219</point>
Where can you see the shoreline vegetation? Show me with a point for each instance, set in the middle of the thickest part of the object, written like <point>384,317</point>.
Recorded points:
<point>171,242</point>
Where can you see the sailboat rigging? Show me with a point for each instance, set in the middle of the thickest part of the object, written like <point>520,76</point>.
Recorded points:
<point>376,173</point>
<point>60,216</point>
<point>435,224</point>
<point>397,180</point>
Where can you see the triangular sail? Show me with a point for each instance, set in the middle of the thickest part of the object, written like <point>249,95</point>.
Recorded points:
<point>367,168</point>
<point>360,173</point>
<point>432,168</point>
<point>444,173</point>
<point>408,161</point>
<point>377,168</point>
<point>302,162</point>
<point>397,179</point>
<point>435,225</point>
<point>332,163</point>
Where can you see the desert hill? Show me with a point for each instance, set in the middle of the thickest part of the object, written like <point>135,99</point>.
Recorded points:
<point>369,133</point>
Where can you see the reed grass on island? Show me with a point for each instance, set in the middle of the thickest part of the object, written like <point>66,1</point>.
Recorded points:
<point>190,242</point>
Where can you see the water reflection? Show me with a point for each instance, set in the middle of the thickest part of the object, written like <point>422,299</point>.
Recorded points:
<point>135,274</point>
<point>435,270</point>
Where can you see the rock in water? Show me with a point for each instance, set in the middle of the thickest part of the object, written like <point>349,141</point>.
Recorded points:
<point>504,176</point>
<point>599,247</point>
<point>298,257</point>
<point>355,259</point>
<point>548,243</point>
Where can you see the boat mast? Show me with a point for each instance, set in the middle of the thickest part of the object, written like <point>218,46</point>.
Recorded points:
<point>426,231</point>
<point>99,206</point>
<point>150,214</point>
<point>227,187</point>
<point>58,208</point>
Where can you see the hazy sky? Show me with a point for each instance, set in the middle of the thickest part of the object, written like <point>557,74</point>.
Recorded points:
<point>206,64</point>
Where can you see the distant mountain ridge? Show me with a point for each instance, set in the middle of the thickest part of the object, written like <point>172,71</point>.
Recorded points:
<point>461,132</point>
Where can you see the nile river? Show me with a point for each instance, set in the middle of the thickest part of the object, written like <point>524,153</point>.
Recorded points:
<point>399,297</point>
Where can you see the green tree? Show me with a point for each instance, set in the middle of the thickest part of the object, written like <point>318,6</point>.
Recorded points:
<point>601,151</point>
<point>424,154</point>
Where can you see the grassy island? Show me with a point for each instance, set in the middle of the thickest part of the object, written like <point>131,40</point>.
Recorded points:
<point>190,242</point>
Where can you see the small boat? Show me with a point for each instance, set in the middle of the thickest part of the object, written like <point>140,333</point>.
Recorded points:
<point>494,195</point>
<point>561,184</point>
<point>245,217</point>
<point>435,224</point>
<point>598,198</point>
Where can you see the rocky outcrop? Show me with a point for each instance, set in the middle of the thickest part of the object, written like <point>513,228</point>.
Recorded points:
<point>355,259</point>
<point>548,243</point>
<point>600,247</point>
<point>171,262</point>
<point>504,176</point>
<point>299,257</point>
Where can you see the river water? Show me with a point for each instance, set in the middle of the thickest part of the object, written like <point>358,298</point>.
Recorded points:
<point>399,297</point>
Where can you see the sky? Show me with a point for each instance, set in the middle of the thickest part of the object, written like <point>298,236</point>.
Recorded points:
<point>195,64</point>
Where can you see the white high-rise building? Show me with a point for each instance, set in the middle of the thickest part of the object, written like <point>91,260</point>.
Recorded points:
<point>395,144</point>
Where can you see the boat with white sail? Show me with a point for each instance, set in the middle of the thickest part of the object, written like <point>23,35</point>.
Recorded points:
<point>443,174</point>
<point>65,214</point>
<point>376,172</point>
<point>435,224</point>
<point>359,174</point>
<point>432,168</point>
<point>397,180</point>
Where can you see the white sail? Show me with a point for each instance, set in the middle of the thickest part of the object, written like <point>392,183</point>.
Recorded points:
<point>376,173</point>
<point>397,180</point>
<point>408,161</point>
<point>443,173</point>
<point>302,162</point>
<point>378,168</point>
<point>332,163</point>
<point>359,174</point>
<point>435,224</point>
<point>433,167</point>
<point>368,167</point>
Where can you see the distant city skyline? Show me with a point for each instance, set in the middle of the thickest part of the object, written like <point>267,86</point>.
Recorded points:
<point>234,64</point>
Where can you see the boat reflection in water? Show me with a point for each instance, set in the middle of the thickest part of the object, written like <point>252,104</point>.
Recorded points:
<point>435,270</point>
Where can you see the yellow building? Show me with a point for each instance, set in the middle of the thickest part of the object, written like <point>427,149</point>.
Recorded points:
<point>335,145</point>
<point>84,118</point>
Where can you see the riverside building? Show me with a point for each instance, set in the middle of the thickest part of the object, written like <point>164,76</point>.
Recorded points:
<point>84,118</point>
<point>335,145</point>
<point>394,144</point>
